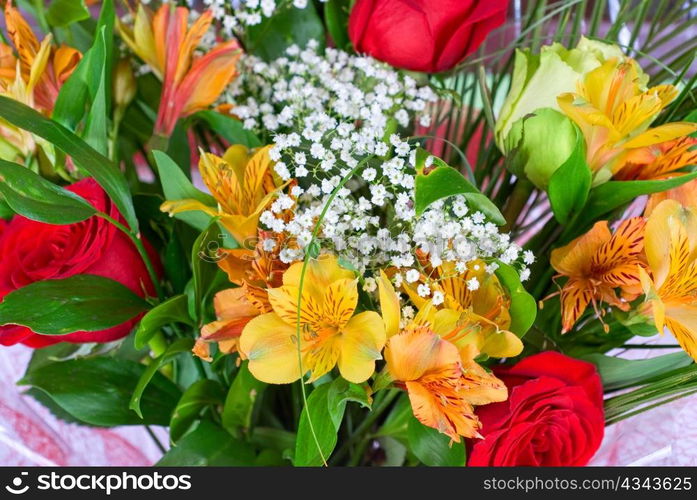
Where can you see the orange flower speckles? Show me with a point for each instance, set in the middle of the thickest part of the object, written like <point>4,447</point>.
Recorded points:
<point>598,263</point>
<point>189,83</point>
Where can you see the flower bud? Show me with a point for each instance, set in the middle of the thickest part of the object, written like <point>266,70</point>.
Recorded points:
<point>539,78</point>
<point>124,84</point>
<point>539,144</point>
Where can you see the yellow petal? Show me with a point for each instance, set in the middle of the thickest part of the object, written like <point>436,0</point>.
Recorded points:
<point>502,344</point>
<point>657,242</point>
<point>662,133</point>
<point>340,300</point>
<point>362,339</point>
<point>269,344</point>
<point>284,301</point>
<point>389,304</point>
<point>416,351</point>
<point>682,322</point>
<point>173,207</point>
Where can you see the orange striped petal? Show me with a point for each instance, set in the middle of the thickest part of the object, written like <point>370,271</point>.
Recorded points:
<point>574,259</point>
<point>575,297</point>
<point>682,323</point>
<point>615,262</point>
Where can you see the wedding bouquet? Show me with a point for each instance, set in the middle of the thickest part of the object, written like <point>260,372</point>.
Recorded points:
<point>350,232</point>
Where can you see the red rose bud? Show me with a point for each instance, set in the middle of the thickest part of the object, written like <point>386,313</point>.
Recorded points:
<point>553,415</point>
<point>33,251</point>
<point>423,35</point>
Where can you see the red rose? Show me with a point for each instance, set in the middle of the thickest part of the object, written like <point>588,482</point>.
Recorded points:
<point>423,35</point>
<point>553,415</point>
<point>33,251</point>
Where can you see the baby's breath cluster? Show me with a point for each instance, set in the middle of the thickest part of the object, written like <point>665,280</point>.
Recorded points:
<point>335,120</point>
<point>235,15</point>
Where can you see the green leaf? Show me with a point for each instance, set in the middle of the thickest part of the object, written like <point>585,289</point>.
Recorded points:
<point>239,403</point>
<point>341,391</point>
<point>80,303</point>
<point>86,158</point>
<point>618,373</point>
<point>174,349</point>
<point>36,198</point>
<point>444,181</point>
<point>274,34</point>
<point>200,395</point>
<point>523,306</point>
<point>613,194</point>
<point>61,13</point>
<point>208,445</point>
<point>229,128</point>
<point>324,422</point>
<point>176,186</point>
<point>96,126</point>
<point>173,310</point>
<point>433,448</point>
<point>203,265</point>
<point>570,185</point>
<point>88,87</point>
<point>97,391</point>
<point>336,14</point>
<point>325,407</point>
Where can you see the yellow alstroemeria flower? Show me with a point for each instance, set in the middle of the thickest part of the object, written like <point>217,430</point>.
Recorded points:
<point>243,185</point>
<point>330,333</point>
<point>614,111</point>
<point>189,83</point>
<point>671,251</point>
<point>479,316</point>
<point>686,195</point>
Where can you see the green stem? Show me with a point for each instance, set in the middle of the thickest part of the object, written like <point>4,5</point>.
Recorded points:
<point>155,440</point>
<point>141,250</point>
<point>376,412</point>
<point>306,261</point>
<point>519,197</point>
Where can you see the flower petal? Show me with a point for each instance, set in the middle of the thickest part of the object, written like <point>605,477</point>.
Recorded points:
<point>361,341</point>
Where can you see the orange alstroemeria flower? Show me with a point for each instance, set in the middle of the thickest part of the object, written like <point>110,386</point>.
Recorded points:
<point>671,290</point>
<point>614,110</point>
<point>442,389</point>
<point>189,83</point>
<point>433,359</point>
<point>243,184</point>
<point>254,271</point>
<point>41,67</point>
<point>661,161</point>
<point>598,263</point>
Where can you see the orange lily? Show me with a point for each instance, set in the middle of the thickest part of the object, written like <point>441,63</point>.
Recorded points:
<point>671,290</point>
<point>596,264</point>
<point>42,67</point>
<point>613,109</point>
<point>242,184</point>
<point>190,83</point>
<point>331,334</point>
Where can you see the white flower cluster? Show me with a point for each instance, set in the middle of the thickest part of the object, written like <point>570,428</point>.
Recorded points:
<point>334,119</point>
<point>235,15</point>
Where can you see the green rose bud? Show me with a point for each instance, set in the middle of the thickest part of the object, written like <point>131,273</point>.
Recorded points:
<point>539,78</point>
<point>539,144</point>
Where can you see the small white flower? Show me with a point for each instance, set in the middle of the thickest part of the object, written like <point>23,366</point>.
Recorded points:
<point>370,285</point>
<point>438,298</point>
<point>423,290</point>
<point>473,284</point>
<point>413,275</point>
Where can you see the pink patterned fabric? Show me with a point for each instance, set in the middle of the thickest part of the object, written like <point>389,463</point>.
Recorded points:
<point>30,435</point>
